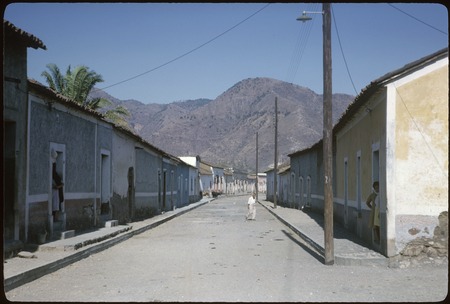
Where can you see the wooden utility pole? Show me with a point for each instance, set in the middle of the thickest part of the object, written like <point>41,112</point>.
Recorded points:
<point>327,136</point>
<point>275,168</point>
<point>256,182</point>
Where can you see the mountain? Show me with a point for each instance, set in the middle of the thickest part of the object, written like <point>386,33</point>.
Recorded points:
<point>223,131</point>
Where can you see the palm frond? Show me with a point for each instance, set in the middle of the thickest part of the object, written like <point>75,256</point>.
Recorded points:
<point>54,78</point>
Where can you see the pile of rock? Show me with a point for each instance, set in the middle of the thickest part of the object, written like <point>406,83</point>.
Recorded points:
<point>432,247</point>
<point>426,250</point>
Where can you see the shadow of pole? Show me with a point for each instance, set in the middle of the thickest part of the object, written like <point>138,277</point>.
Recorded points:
<point>312,252</point>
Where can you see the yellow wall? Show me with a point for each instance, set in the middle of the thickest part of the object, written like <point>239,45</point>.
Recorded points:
<point>421,154</point>
<point>366,128</point>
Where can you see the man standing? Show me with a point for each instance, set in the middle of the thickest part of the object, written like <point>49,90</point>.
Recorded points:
<point>251,207</point>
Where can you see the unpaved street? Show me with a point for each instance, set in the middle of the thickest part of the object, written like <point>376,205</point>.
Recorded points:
<point>212,254</point>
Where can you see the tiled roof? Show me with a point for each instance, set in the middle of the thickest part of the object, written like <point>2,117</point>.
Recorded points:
<point>48,92</point>
<point>379,83</point>
<point>374,87</point>
<point>205,169</point>
<point>306,150</point>
<point>20,36</point>
<point>285,168</point>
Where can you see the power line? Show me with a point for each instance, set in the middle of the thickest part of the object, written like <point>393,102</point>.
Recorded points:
<point>299,49</point>
<point>302,41</point>
<point>187,53</point>
<point>411,16</point>
<point>342,51</point>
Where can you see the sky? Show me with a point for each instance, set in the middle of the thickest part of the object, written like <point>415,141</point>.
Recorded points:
<point>166,52</point>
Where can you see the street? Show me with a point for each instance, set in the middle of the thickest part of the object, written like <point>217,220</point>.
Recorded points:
<point>212,254</point>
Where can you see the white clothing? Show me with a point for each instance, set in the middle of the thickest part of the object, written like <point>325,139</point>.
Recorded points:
<point>251,208</point>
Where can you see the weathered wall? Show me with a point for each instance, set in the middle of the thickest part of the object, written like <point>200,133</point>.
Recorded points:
<point>77,135</point>
<point>355,144</point>
<point>123,158</point>
<point>421,154</point>
<point>308,170</point>
<point>15,129</point>
<point>422,140</point>
<point>147,166</point>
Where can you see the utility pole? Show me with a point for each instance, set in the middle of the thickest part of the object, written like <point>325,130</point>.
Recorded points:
<point>327,130</point>
<point>256,183</point>
<point>275,168</point>
<point>327,136</point>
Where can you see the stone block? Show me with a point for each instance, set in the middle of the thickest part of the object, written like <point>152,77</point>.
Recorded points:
<point>67,234</point>
<point>111,223</point>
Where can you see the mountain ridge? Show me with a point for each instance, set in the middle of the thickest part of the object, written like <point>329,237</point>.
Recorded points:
<point>223,130</point>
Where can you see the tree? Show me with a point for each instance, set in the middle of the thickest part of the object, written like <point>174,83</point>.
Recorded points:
<point>77,84</point>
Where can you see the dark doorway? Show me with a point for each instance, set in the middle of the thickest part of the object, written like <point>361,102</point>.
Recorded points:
<point>164,189</point>
<point>9,178</point>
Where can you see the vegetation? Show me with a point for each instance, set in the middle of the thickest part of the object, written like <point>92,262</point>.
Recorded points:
<point>76,85</point>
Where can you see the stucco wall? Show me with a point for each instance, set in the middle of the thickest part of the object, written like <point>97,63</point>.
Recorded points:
<point>363,135</point>
<point>78,136</point>
<point>358,139</point>
<point>14,136</point>
<point>421,156</point>
<point>147,166</point>
<point>123,157</point>
<point>309,166</point>
<point>146,183</point>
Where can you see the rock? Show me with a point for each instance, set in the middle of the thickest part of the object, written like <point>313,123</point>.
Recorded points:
<point>413,231</point>
<point>412,250</point>
<point>430,251</point>
<point>442,251</point>
<point>26,255</point>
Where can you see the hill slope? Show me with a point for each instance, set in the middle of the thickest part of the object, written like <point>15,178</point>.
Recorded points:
<point>223,131</point>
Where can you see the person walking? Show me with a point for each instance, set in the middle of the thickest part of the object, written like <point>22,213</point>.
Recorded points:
<point>251,207</point>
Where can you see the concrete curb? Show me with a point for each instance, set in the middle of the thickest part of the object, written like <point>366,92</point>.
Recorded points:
<point>338,259</point>
<point>307,239</point>
<point>33,274</point>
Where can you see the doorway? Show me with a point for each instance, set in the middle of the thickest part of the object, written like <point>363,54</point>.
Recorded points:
<point>9,179</point>
<point>56,202</point>
<point>376,177</point>
<point>164,194</point>
<point>346,192</point>
<point>105,182</point>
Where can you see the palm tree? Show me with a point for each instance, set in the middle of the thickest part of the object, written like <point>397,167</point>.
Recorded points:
<point>77,84</point>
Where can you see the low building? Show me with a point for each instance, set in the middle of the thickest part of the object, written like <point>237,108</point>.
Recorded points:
<point>395,132</point>
<point>105,171</point>
<point>15,109</point>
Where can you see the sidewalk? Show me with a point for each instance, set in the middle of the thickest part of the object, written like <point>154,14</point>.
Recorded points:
<point>348,250</point>
<point>55,255</point>
<point>52,256</point>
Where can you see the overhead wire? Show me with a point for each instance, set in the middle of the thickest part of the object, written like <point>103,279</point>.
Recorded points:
<point>188,52</point>
<point>342,51</point>
<point>417,19</point>
<point>302,40</point>
<point>439,165</point>
<point>300,46</point>
<point>298,51</point>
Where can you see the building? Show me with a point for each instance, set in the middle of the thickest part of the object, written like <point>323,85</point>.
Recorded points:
<point>15,108</point>
<point>107,171</point>
<point>395,132</point>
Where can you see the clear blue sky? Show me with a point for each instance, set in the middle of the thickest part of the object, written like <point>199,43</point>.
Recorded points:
<point>123,40</point>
